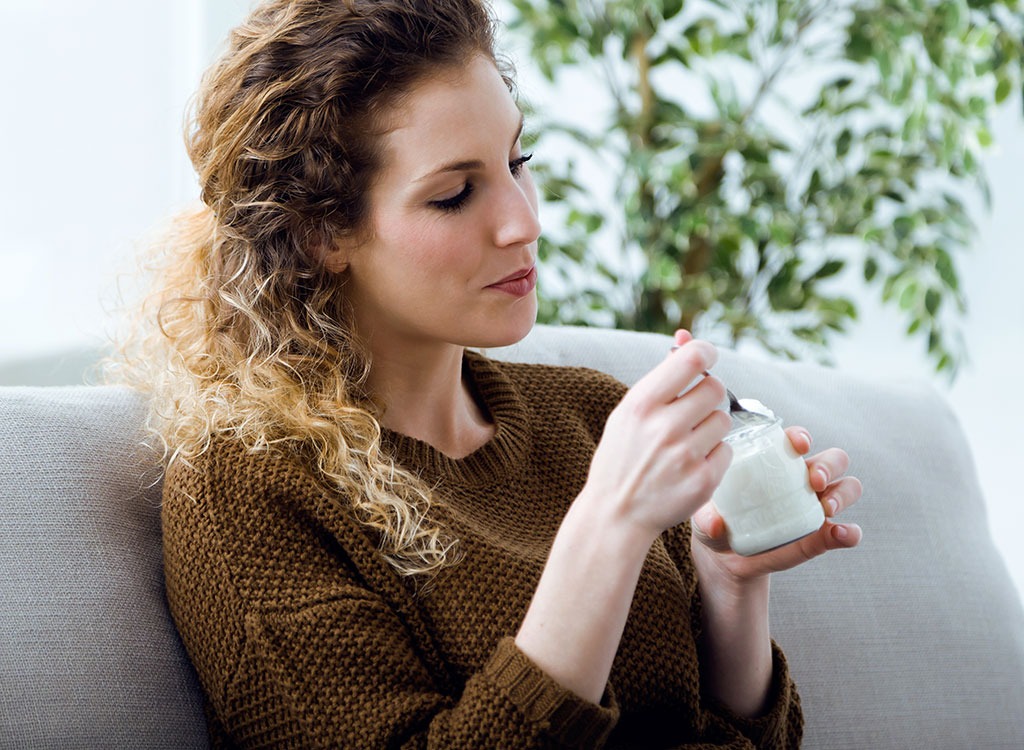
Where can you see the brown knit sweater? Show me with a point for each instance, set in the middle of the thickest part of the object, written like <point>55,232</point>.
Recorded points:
<point>303,636</point>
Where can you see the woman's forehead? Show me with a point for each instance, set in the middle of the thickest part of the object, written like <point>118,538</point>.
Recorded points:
<point>452,117</point>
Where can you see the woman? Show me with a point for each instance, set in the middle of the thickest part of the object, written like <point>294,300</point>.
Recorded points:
<point>375,537</point>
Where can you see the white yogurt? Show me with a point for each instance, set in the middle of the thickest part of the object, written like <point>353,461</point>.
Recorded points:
<point>765,496</point>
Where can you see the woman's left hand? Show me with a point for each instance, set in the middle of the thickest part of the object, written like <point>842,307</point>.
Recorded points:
<point>835,491</point>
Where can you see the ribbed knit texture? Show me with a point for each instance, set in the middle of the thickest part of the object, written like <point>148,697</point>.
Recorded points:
<point>303,636</point>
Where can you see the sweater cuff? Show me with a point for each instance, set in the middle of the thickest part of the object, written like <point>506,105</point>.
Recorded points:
<point>570,719</point>
<point>781,725</point>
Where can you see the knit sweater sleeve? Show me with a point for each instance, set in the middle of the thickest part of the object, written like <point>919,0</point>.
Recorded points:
<point>344,673</point>
<point>781,725</point>
<point>294,648</point>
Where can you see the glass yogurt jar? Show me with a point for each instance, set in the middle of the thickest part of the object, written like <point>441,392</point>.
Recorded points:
<point>765,496</point>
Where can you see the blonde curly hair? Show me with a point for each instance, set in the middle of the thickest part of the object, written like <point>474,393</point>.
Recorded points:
<point>245,335</point>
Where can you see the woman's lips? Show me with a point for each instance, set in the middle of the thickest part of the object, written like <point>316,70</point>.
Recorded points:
<point>518,284</point>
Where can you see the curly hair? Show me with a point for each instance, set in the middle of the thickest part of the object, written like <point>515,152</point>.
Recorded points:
<point>245,335</point>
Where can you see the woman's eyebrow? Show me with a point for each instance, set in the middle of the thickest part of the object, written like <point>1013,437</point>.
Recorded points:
<point>469,164</point>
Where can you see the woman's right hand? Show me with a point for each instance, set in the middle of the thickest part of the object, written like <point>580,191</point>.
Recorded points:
<point>661,454</point>
<point>658,461</point>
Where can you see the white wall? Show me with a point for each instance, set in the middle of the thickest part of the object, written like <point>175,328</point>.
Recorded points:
<point>91,110</point>
<point>92,105</point>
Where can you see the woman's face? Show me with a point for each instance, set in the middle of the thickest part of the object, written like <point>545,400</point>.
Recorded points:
<point>453,219</point>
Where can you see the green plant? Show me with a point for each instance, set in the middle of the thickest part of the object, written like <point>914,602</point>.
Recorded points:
<point>763,156</point>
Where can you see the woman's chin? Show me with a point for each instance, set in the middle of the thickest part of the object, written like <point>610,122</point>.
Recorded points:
<point>510,330</point>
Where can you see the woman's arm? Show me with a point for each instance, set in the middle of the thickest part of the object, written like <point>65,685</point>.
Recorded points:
<point>735,644</point>
<point>659,459</point>
<point>575,620</point>
<point>658,462</point>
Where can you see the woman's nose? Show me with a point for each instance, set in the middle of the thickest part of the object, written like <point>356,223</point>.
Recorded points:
<point>517,222</point>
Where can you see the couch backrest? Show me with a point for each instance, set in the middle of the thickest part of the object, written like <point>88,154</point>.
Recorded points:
<point>916,638</point>
<point>913,640</point>
<point>89,657</point>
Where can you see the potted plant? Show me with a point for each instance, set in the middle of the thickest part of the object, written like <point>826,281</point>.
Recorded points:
<point>758,158</point>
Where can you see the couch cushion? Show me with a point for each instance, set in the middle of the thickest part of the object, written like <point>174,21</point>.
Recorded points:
<point>915,638</point>
<point>88,655</point>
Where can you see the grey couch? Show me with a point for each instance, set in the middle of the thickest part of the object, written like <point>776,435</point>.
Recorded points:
<point>913,640</point>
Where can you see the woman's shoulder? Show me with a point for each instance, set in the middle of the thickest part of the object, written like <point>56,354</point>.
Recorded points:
<point>261,513</point>
<point>227,467</point>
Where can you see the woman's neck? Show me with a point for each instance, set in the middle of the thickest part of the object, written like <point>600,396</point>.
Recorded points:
<point>425,397</point>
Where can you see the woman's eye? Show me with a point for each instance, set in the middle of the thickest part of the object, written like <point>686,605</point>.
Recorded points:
<point>516,165</point>
<point>456,202</point>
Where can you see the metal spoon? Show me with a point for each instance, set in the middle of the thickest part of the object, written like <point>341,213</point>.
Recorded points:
<point>734,403</point>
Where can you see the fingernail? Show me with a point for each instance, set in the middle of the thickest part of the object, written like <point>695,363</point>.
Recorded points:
<point>840,532</point>
<point>824,475</point>
<point>833,506</point>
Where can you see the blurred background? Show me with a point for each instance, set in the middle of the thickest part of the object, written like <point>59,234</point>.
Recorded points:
<point>92,110</point>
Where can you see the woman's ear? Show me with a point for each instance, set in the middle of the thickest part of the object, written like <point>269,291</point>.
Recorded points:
<point>337,255</point>
<point>334,263</point>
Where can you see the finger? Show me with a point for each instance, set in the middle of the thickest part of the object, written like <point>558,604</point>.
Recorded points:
<point>699,403</point>
<point>720,457</point>
<point>843,535</point>
<point>699,460</point>
<point>709,528</point>
<point>708,474</point>
<point>840,495</point>
<point>826,467</point>
<point>800,438</point>
<point>707,435</point>
<point>676,372</point>
<point>829,537</point>
<point>681,337</point>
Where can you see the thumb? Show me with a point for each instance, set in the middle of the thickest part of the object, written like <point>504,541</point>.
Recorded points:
<point>680,337</point>
<point>709,528</point>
